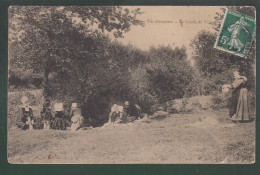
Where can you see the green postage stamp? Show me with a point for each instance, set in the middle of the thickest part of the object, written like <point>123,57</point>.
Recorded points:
<point>237,31</point>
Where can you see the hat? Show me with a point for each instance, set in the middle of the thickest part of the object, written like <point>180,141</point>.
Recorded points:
<point>74,105</point>
<point>58,107</point>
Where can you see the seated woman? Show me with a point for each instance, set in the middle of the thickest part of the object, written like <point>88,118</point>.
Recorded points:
<point>59,117</point>
<point>115,116</point>
<point>131,112</point>
<point>27,118</point>
<point>27,114</point>
<point>77,120</point>
<point>124,114</point>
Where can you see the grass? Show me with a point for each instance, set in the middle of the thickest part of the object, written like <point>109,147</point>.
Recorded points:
<point>200,136</point>
<point>179,138</point>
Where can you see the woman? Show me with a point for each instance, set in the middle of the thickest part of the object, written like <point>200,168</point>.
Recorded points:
<point>239,104</point>
<point>59,120</point>
<point>116,114</point>
<point>77,120</point>
<point>131,112</point>
<point>27,114</point>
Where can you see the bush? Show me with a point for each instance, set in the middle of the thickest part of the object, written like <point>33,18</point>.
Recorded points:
<point>220,100</point>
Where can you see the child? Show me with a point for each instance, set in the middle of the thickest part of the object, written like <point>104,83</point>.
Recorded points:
<point>77,120</point>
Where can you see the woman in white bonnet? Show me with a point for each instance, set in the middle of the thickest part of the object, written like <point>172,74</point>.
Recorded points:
<point>239,103</point>
<point>27,117</point>
<point>77,120</point>
<point>59,122</point>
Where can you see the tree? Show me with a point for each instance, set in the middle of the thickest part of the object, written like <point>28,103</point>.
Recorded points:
<point>54,39</point>
<point>164,77</point>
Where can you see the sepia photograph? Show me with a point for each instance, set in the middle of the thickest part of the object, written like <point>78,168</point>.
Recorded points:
<point>131,85</point>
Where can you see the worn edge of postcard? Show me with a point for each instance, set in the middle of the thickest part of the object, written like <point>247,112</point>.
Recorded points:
<point>221,27</point>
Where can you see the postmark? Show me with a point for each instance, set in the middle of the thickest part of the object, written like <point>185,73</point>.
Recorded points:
<point>236,34</point>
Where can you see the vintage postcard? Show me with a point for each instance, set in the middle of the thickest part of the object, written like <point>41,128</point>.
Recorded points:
<point>131,84</point>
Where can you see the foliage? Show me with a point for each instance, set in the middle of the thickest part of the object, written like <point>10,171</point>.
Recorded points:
<point>216,67</point>
<point>164,76</point>
<point>168,72</point>
<point>48,39</point>
<point>220,100</point>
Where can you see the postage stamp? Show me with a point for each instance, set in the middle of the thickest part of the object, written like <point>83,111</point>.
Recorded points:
<point>237,31</point>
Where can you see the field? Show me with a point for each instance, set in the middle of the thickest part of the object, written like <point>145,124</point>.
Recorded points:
<point>201,137</point>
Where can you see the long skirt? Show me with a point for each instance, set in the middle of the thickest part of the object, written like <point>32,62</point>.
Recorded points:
<point>233,103</point>
<point>59,124</point>
<point>242,111</point>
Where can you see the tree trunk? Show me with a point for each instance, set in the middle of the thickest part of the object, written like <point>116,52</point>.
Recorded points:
<point>45,84</point>
<point>198,89</point>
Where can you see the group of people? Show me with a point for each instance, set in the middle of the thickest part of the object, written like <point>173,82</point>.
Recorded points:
<point>124,114</point>
<point>53,119</point>
<point>56,119</point>
<point>239,102</point>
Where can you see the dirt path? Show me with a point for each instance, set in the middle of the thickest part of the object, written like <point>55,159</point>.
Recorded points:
<point>206,137</point>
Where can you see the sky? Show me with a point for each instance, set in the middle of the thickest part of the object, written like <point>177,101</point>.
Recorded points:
<point>175,26</point>
<point>169,25</point>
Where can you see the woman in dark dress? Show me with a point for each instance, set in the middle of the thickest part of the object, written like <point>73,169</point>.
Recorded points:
<point>46,115</point>
<point>59,122</point>
<point>239,103</point>
<point>131,112</point>
<point>27,117</point>
<point>27,114</point>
